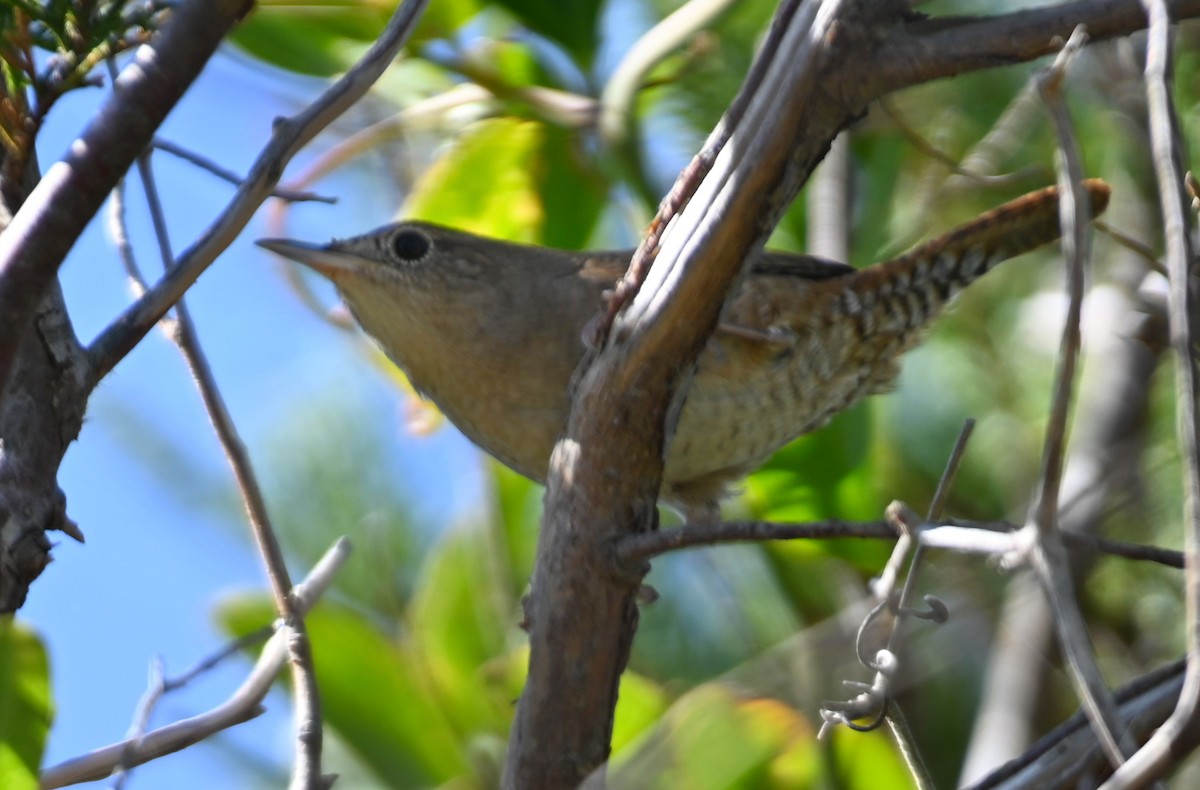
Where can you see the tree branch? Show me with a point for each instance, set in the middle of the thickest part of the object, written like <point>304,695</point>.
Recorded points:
<point>72,191</point>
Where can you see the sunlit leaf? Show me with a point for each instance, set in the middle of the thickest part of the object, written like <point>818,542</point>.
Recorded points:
<point>26,708</point>
<point>373,692</point>
<point>513,179</point>
<point>711,739</point>
<point>459,615</point>
<point>321,37</point>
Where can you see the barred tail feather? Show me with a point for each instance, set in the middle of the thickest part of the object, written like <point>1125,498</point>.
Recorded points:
<point>912,288</point>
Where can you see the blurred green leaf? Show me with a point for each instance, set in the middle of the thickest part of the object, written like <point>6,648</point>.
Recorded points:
<point>572,24</point>
<point>519,508</point>
<point>374,692</point>
<point>512,179</point>
<point>459,616</point>
<point>339,477</point>
<point>868,761</point>
<point>317,37</point>
<point>640,703</point>
<point>712,739</point>
<point>26,706</point>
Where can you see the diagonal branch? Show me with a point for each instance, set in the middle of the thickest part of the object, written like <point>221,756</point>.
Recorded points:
<point>290,135</point>
<point>72,191</point>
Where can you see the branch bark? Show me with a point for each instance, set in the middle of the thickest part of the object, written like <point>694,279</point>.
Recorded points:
<point>820,67</point>
<point>72,191</point>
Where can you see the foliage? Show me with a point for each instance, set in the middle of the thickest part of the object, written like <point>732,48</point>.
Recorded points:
<point>421,656</point>
<point>26,709</point>
<point>712,699</point>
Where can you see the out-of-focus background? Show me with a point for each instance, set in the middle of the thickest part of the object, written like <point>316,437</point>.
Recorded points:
<point>418,651</point>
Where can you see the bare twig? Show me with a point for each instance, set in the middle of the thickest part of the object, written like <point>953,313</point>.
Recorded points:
<point>307,769</point>
<point>290,195</point>
<point>141,719</point>
<point>290,135</point>
<point>972,537</point>
<point>635,548</point>
<point>1060,757</point>
<point>916,140</point>
<point>1049,556</point>
<point>242,705</point>
<point>1181,732</point>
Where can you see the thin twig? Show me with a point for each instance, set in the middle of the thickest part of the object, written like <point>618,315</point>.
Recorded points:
<point>647,545</point>
<point>1059,757</point>
<point>1178,735</point>
<point>141,719</point>
<point>242,705</point>
<point>918,141</point>
<point>289,195</point>
<point>307,769</point>
<point>1144,251</point>
<point>290,135</point>
<point>1049,556</point>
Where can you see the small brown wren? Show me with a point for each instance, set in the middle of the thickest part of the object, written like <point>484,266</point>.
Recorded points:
<point>491,332</point>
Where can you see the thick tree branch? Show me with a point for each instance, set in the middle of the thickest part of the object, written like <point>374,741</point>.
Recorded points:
<point>938,47</point>
<point>837,58</point>
<point>72,191</point>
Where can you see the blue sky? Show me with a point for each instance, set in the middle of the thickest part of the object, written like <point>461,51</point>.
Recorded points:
<point>146,581</point>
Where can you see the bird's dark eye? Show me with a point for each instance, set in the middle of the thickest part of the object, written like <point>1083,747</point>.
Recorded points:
<point>410,245</point>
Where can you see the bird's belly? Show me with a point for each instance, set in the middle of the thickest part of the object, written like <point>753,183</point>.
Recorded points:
<point>730,426</point>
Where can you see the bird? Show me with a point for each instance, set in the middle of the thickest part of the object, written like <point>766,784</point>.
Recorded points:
<point>492,332</point>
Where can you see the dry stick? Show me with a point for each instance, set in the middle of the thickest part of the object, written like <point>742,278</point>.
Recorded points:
<point>1181,732</point>
<point>633,549</point>
<point>646,546</point>
<point>1059,758</point>
<point>621,413</point>
<point>141,719</point>
<point>876,700</point>
<point>242,705</point>
<point>1049,557</point>
<point>307,770</point>
<point>895,719</point>
<point>290,135</point>
<point>159,685</point>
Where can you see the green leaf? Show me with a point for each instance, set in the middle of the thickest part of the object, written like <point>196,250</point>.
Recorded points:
<point>519,508</point>
<point>321,37</point>
<point>569,23</point>
<point>513,179</point>
<point>373,692</point>
<point>712,739</point>
<point>26,707</point>
<point>864,760</point>
<point>459,616</point>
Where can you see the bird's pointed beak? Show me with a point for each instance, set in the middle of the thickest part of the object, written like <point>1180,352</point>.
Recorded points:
<point>321,257</point>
